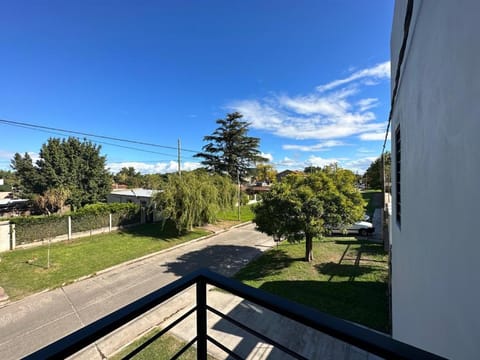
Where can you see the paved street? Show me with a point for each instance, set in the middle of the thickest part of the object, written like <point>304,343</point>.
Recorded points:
<point>39,319</point>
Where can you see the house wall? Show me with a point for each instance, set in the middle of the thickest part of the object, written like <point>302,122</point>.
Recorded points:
<point>435,249</point>
<point>140,200</point>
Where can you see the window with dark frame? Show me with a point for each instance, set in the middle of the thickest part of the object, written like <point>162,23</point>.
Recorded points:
<point>398,167</point>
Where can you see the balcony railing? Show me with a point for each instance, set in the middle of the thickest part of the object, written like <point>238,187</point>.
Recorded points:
<point>371,341</point>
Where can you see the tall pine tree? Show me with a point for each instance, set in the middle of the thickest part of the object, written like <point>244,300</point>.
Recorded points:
<point>230,150</point>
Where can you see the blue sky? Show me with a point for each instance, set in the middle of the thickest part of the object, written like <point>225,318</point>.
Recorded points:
<point>312,77</point>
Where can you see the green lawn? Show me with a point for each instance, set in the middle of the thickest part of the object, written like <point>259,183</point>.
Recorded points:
<point>373,199</point>
<point>348,278</point>
<point>246,214</point>
<point>24,271</point>
<point>161,349</point>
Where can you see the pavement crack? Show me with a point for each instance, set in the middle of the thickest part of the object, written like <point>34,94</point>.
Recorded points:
<point>73,308</point>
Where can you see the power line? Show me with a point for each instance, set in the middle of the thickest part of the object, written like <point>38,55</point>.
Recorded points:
<point>97,141</point>
<point>34,126</point>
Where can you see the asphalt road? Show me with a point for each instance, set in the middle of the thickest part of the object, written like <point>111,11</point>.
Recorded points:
<point>37,320</point>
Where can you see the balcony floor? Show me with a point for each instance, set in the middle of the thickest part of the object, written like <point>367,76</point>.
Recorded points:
<point>309,343</point>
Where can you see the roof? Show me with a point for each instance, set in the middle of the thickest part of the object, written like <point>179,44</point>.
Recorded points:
<point>148,193</point>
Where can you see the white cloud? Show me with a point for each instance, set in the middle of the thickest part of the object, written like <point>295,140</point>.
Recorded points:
<point>6,155</point>
<point>320,162</point>
<point>331,112</point>
<point>379,136</point>
<point>267,156</point>
<point>317,147</point>
<point>379,71</point>
<point>156,168</point>
<point>366,104</point>
<point>359,165</point>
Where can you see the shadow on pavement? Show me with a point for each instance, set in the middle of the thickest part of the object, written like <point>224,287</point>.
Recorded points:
<point>224,259</point>
<point>348,300</point>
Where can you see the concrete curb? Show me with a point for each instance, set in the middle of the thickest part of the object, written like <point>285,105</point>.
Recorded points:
<point>7,302</point>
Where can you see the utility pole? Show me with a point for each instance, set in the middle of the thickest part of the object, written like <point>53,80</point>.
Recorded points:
<point>179,159</point>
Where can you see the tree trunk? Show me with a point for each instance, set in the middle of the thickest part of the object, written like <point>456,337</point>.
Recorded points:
<point>308,248</point>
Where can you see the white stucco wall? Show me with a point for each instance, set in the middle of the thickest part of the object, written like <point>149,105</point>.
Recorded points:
<point>436,251</point>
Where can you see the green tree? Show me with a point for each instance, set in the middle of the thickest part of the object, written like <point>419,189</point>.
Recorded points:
<point>312,169</point>
<point>129,177</point>
<point>265,173</point>
<point>73,165</point>
<point>229,149</point>
<point>154,181</point>
<point>305,207</point>
<point>52,201</point>
<point>27,176</point>
<point>373,177</point>
<point>8,178</point>
<point>194,198</point>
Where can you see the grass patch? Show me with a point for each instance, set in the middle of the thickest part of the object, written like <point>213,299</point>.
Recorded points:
<point>246,214</point>
<point>163,348</point>
<point>373,199</point>
<point>347,279</point>
<point>24,271</point>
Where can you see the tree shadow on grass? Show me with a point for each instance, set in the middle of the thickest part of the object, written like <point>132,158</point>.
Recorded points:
<point>366,247</point>
<point>270,263</point>
<point>350,271</point>
<point>359,301</point>
<point>362,302</point>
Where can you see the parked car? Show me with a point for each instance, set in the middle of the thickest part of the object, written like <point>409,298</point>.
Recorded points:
<point>362,228</point>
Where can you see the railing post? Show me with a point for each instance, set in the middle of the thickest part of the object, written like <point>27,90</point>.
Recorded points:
<point>201,318</point>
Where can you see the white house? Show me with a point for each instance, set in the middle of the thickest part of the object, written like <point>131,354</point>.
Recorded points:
<point>436,177</point>
<point>139,196</point>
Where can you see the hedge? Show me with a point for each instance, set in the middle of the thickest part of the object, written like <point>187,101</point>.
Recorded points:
<point>36,228</point>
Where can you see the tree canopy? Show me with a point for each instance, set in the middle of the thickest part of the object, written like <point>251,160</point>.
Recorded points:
<point>265,173</point>
<point>129,176</point>
<point>194,198</point>
<point>307,206</point>
<point>373,176</point>
<point>229,149</point>
<point>70,166</point>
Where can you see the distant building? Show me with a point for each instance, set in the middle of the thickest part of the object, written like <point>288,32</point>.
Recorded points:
<point>142,197</point>
<point>257,188</point>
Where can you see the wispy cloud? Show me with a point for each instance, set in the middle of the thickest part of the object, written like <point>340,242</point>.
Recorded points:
<point>374,136</point>
<point>160,167</point>
<point>378,72</point>
<point>332,111</point>
<point>7,155</point>
<point>316,147</point>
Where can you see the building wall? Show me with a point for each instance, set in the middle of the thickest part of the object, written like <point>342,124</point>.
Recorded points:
<point>140,200</point>
<point>436,248</point>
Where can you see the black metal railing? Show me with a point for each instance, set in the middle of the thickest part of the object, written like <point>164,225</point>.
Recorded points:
<point>371,341</point>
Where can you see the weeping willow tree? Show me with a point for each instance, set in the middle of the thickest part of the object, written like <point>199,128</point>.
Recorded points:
<point>194,198</point>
